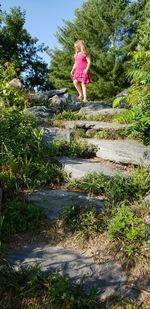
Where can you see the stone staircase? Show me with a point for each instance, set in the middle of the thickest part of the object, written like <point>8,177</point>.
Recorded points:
<point>112,156</point>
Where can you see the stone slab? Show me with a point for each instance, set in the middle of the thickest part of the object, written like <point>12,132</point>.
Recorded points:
<point>96,125</point>
<point>79,168</point>
<point>107,277</point>
<point>54,201</point>
<point>121,151</point>
<point>54,134</point>
<point>93,109</point>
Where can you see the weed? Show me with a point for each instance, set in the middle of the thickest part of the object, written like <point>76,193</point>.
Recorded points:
<point>116,188</point>
<point>80,219</point>
<point>74,149</point>
<point>30,289</point>
<point>128,229</point>
<point>19,217</point>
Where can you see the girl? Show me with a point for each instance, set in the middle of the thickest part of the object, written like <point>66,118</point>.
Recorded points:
<point>80,71</point>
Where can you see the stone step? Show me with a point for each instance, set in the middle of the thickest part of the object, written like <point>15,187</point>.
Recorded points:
<point>54,201</point>
<point>121,151</point>
<point>95,125</point>
<point>107,277</point>
<point>79,168</point>
<point>93,109</point>
<point>51,134</point>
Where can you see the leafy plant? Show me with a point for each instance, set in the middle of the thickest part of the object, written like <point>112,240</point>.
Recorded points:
<point>110,134</point>
<point>30,288</point>
<point>80,219</point>
<point>10,95</point>
<point>19,217</point>
<point>74,149</point>
<point>139,76</point>
<point>116,188</point>
<point>127,228</point>
<point>117,101</point>
<point>25,161</point>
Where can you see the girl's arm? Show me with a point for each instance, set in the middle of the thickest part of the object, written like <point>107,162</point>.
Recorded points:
<point>88,58</point>
<point>73,68</point>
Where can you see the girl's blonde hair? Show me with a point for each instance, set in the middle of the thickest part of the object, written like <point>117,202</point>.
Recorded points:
<point>82,45</point>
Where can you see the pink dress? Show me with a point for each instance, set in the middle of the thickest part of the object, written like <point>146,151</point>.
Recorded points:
<point>81,64</point>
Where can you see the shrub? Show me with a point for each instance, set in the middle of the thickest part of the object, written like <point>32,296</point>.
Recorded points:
<point>80,219</point>
<point>25,161</point>
<point>116,188</point>
<point>10,96</point>
<point>127,228</point>
<point>74,149</point>
<point>19,217</point>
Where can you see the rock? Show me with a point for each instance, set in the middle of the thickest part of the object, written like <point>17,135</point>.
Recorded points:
<point>94,125</point>
<point>38,98</point>
<point>16,83</point>
<point>121,151</point>
<point>73,106</point>
<point>54,201</point>
<point>55,104</point>
<point>123,93</point>
<point>120,100</point>
<point>53,92</point>
<point>93,109</point>
<point>107,277</point>
<point>69,98</point>
<point>41,113</point>
<point>147,199</point>
<point>54,133</point>
<point>79,168</point>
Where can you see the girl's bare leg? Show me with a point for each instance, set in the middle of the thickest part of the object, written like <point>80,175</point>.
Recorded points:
<point>79,89</point>
<point>84,91</point>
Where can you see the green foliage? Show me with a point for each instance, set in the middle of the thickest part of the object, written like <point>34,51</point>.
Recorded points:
<point>19,217</point>
<point>127,228</point>
<point>116,188</point>
<point>76,116</point>
<point>110,134</point>
<point>117,101</point>
<point>25,161</point>
<point>9,95</point>
<point>20,49</point>
<point>74,149</point>
<point>67,116</point>
<point>139,74</point>
<point>28,288</point>
<point>80,219</point>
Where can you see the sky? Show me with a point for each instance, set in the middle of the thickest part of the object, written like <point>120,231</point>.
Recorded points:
<point>43,17</point>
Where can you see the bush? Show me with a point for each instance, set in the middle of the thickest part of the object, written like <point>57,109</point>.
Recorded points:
<point>74,149</point>
<point>10,96</point>
<point>80,219</point>
<point>25,161</point>
<point>127,228</point>
<point>116,188</point>
<point>19,217</point>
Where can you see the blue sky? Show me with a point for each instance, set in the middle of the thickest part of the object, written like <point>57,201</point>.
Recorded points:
<point>44,16</point>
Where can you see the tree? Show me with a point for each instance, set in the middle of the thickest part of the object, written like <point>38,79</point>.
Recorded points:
<point>109,29</point>
<point>20,49</point>
<point>139,75</point>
